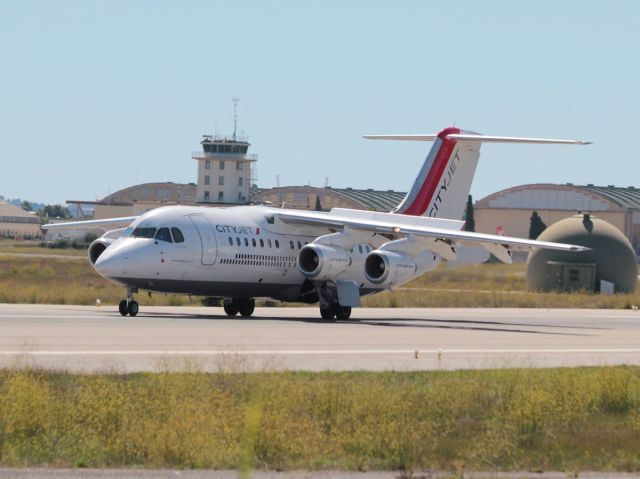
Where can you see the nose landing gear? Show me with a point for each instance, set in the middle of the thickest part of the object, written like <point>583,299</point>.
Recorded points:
<point>129,306</point>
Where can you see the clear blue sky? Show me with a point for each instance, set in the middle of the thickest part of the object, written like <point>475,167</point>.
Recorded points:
<point>98,96</point>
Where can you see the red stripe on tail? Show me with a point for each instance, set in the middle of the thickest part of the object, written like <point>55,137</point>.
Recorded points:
<point>422,201</point>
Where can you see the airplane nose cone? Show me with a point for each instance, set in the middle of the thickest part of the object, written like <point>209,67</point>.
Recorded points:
<point>110,264</point>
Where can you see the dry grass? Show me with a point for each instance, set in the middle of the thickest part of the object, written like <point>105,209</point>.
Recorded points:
<point>63,281</point>
<point>34,247</point>
<point>555,419</point>
<point>73,281</point>
<point>490,286</point>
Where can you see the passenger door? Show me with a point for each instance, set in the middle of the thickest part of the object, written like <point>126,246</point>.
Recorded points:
<point>207,238</point>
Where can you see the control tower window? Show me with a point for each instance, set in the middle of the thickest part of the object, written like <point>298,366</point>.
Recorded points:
<point>206,180</point>
<point>239,165</point>
<point>222,164</point>
<point>240,181</point>
<point>206,196</point>
<point>220,196</point>
<point>221,180</point>
<point>207,165</point>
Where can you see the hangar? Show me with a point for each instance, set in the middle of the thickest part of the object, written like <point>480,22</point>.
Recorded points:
<point>14,221</point>
<point>510,209</point>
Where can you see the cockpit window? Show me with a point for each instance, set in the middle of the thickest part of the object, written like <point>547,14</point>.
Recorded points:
<point>164,235</point>
<point>177,235</point>
<point>144,233</point>
<point>127,232</point>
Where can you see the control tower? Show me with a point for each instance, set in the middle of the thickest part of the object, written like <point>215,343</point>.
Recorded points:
<point>224,170</point>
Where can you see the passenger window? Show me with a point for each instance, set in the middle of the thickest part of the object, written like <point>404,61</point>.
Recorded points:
<point>360,248</point>
<point>291,244</point>
<point>177,235</point>
<point>277,244</point>
<point>253,242</point>
<point>261,243</point>
<point>230,241</point>
<point>144,232</point>
<point>269,243</point>
<point>246,241</point>
<point>238,241</point>
<point>299,245</point>
<point>164,235</point>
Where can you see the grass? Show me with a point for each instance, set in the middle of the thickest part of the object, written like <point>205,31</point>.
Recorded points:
<point>34,247</point>
<point>535,420</point>
<point>58,280</point>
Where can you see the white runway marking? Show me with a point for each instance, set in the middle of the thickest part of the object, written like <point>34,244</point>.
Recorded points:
<point>298,352</point>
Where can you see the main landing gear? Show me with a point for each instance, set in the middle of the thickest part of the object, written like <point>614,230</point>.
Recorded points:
<point>244,306</point>
<point>129,306</point>
<point>335,311</point>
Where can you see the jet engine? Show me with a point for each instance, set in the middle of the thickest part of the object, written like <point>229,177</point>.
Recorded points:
<point>320,262</point>
<point>97,247</point>
<point>389,267</point>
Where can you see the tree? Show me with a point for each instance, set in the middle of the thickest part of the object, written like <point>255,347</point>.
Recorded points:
<point>536,226</point>
<point>469,220</point>
<point>27,206</point>
<point>55,211</point>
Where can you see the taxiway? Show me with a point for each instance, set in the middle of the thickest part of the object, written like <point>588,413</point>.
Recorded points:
<point>94,339</point>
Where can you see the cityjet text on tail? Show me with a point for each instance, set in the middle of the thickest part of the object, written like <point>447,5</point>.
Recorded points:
<point>332,258</point>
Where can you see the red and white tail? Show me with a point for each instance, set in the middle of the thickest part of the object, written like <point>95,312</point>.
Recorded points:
<point>442,186</point>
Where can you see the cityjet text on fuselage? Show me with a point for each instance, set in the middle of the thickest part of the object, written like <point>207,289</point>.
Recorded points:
<point>236,229</point>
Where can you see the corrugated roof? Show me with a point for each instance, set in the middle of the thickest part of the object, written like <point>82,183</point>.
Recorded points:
<point>625,197</point>
<point>373,199</point>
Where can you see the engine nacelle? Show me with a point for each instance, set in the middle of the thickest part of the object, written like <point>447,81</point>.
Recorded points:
<point>97,247</point>
<point>323,262</point>
<point>389,267</point>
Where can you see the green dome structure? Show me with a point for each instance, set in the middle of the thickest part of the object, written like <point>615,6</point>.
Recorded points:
<point>610,265</point>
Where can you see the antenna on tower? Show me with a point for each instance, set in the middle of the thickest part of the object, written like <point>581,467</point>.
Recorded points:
<point>235,101</point>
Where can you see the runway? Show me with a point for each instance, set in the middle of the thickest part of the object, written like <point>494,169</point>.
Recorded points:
<point>97,339</point>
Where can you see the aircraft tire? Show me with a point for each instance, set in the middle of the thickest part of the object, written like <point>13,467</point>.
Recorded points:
<point>246,306</point>
<point>231,309</point>
<point>133,308</point>
<point>327,313</point>
<point>343,312</point>
<point>123,307</point>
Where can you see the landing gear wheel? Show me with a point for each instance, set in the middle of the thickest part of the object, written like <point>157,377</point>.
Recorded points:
<point>123,306</point>
<point>343,312</point>
<point>133,308</point>
<point>327,313</point>
<point>246,306</point>
<point>231,309</point>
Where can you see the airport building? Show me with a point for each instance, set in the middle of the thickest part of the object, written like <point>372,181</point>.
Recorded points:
<point>226,175</point>
<point>15,222</point>
<point>224,170</point>
<point>510,210</point>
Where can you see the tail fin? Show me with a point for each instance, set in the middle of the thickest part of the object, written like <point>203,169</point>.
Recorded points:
<point>442,186</point>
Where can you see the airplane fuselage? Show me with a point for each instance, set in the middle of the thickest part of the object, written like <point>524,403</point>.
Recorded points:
<point>242,251</point>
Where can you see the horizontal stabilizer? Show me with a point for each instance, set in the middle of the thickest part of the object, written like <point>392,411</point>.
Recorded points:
<point>478,138</point>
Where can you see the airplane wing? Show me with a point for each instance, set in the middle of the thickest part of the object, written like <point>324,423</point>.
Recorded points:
<point>399,226</point>
<point>90,224</point>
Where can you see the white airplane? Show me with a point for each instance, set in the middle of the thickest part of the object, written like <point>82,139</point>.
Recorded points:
<point>243,252</point>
